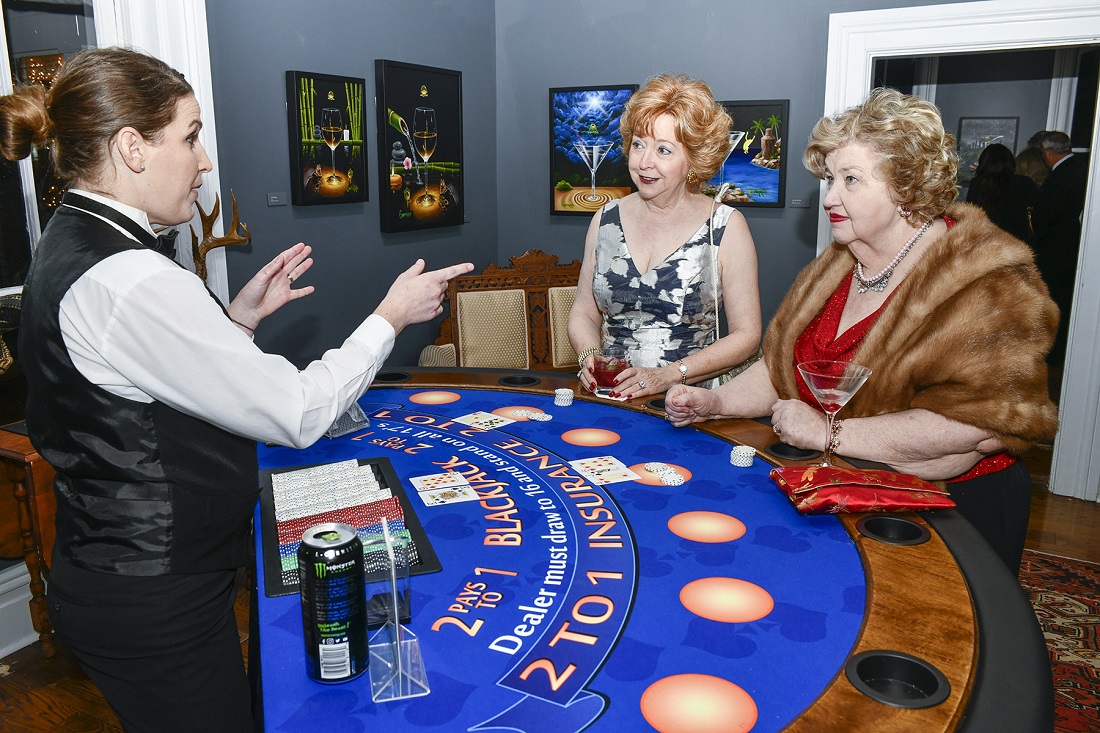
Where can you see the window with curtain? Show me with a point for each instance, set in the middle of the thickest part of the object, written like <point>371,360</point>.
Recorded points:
<point>38,36</point>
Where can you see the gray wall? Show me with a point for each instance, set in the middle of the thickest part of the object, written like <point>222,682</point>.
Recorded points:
<point>510,52</point>
<point>252,44</point>
<point>1011,84</point>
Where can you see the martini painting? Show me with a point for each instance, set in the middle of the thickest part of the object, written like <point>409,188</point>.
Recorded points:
<point>587,161</point>
<point>754,173</point>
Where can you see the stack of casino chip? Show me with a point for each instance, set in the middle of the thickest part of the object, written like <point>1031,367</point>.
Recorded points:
<point>533,415</point>
<point>343,492</point>
<point>563,397</point>
<point>742,455</point>
<point>665,472</point>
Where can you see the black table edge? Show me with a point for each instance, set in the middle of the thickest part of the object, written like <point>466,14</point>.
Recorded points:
<point>1014,686</point>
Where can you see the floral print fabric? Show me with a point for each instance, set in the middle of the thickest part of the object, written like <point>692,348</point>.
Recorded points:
<point>664,314</point>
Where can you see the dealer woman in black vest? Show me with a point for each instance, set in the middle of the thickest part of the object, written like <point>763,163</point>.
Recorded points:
<point>147,397</point>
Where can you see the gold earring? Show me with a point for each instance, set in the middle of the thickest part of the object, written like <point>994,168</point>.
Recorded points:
<point>692,178</point>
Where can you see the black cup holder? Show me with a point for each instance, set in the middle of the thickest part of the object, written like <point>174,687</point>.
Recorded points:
<point>790,453</point>
<point>392,377</point>
<point>893,530</point>
<point>897,679</point>
<point>657,403</point>
<point>518,381</point>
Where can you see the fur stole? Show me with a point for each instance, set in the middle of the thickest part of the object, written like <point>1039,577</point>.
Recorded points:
<point>964,335</point>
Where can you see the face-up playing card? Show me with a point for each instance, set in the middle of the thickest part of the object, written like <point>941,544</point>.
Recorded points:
<point>603,470</point>
<point>484,420</point>
<point>451,495</point>
<point>436,481</point>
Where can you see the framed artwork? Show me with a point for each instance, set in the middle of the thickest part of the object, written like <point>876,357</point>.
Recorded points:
<point>326,117</point>
<point>587,161</point>
<point>756,169</point>
<point>975,134</point>
<point>419,146</point>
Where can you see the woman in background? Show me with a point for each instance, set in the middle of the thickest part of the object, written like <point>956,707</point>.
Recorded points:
<point>947,310</point>
<point>147,397</point>
<point>1006,197</point>
<point>659,263</point>
<point>1030,163</point>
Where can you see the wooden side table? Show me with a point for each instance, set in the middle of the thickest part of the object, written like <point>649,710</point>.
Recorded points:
<point>31,480</point>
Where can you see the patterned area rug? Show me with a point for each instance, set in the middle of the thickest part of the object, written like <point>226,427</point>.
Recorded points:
<point>1066,597</point>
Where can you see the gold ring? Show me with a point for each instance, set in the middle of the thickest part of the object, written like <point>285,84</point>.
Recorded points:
<point>777,430</point>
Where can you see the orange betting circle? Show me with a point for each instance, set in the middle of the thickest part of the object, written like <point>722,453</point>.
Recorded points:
<point>728,600</point>
<point>704,526</point>
<point>688,703</point>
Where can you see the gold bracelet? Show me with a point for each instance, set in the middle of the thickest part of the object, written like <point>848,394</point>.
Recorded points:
<point>834,441</point>
<point>587,353</point>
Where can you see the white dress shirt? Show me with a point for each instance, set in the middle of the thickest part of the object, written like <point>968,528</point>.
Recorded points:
<point>143,328</point>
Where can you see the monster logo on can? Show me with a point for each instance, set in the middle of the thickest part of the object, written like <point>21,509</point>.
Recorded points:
<point>334,606</point>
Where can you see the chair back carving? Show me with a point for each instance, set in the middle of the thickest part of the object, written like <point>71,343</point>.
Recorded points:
<point>511,317</point>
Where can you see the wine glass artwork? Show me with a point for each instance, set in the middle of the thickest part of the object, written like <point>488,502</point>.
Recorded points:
<point>736,136</point>
<point>832,383</point>
<point>592,154</point>
<point>425,135</point>
<point>332,130</point>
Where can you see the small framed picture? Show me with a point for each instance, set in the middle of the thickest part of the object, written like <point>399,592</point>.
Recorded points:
<point>587,160</point>
<point>326,117</point>
<point>419,146</point>
<point>756,168</point>
<point>976,134</point>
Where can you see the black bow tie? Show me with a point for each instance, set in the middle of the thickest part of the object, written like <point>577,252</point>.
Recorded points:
<point>164,243</point>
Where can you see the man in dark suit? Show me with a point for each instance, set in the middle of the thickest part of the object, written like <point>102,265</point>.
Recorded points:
<point>1057,219</point>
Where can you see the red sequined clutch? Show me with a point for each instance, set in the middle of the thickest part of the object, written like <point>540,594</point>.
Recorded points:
<point>837,490</point>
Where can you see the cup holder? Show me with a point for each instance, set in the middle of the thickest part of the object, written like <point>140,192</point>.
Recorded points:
<point>893,530</point>
<point>518,381</point>
<point>392,377</point>
<point>897,679</point>
<point>790,453</point>
<point>657,403</point>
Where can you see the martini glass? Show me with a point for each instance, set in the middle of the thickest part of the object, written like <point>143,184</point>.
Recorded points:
<point>833,383</point>
<point>592,154</point>
<point>736,136</point>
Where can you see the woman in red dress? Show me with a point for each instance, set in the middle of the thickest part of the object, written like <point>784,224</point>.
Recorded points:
<point>948,311</point>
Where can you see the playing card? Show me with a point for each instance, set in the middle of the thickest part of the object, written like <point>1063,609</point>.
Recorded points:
<point>484,420</point>
<point>436,481</point>
<point>450,495</point>
<point>603,470</point>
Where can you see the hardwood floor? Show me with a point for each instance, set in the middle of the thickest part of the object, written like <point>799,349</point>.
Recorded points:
<point>39,695</point>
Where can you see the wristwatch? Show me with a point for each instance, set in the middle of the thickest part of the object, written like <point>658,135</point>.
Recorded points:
<point>683,371</point>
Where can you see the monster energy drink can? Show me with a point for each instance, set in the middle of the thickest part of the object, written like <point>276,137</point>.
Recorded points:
<point>334,606</point>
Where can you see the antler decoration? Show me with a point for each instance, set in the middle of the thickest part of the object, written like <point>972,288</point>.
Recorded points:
<point>199,249</point>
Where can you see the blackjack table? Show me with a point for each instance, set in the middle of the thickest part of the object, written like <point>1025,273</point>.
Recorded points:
<point>589,567</point>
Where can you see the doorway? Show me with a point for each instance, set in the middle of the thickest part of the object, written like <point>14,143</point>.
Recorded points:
<point>857,39</point>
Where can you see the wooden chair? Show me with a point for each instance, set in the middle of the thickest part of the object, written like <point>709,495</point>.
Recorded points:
<point>509,317</point>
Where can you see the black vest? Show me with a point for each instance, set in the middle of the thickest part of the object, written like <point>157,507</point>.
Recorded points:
<point>142,489</point>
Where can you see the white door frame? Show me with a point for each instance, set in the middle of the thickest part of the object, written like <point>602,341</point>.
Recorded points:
<point>857,39</point>
<point>175,32</point>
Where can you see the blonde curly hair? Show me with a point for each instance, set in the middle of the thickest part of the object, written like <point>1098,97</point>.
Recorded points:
<point>702,125</point>
<point>917,155</point>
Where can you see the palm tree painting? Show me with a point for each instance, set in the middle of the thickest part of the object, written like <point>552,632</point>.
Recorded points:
<point>755,167</point>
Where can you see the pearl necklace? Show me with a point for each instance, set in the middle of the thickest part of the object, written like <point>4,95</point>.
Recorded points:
<point>879,281</point>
